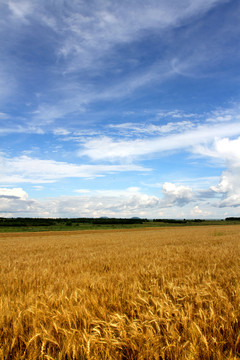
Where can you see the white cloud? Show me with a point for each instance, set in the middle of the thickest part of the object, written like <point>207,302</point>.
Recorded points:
<point>123,203</point>
<point>228,152</point>
<point>20,9</point>
<point>108,149</point>
<point>225,185</point>
<point>228,187</point>
<point>196,211</point>
<point>82,191</point>
<point>24,169</point>
<point>3,116</point>
<point>14,193</point>
<point>112,193</point>
<point>232,200</point>
<point>61,131</point>
<point>224,149</point>
<point>46,114</point>
<point>14,202</point>
<point>87,35</point>
<point>38,187</point>
<point>224,115</point>
<point>111,206</point>
<point>20,129</point>
<point>152,129</point>
<point>176,194</point>
<point>127,202</point>
<point>176,114</point>
<point>93,31</point>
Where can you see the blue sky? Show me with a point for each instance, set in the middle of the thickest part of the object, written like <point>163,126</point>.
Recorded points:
<point>120,108</point>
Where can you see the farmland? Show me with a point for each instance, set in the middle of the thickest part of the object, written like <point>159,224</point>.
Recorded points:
<point>150,293</point>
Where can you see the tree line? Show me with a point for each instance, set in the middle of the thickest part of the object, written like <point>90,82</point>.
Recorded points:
<point>26,222</point>
<point>45,222</point>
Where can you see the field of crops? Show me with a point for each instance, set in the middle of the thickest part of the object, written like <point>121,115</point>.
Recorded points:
<point>167,293</point>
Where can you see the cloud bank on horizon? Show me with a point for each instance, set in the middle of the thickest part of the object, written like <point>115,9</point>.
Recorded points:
<point>120,109</point>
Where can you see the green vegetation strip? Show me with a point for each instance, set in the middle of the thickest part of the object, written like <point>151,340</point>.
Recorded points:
<point>66,224</point>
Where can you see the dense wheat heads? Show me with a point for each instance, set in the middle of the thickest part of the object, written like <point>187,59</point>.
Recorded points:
<point>146,294</point>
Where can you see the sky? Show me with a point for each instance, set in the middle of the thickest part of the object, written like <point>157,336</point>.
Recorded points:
<point>120,108</point>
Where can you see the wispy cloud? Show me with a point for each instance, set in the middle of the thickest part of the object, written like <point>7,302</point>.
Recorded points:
<point>92,37</point>
<point>224,149</point>
<point>24,169</point>
<point>108,149</point>
<point>20,9</point>
<point>152,129</point>
<point>8,84</point>
<point>94,31</point>
<point>20,129</point>
<point>3,116</point>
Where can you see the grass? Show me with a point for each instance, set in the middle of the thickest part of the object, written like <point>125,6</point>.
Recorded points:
<point>169,293</point>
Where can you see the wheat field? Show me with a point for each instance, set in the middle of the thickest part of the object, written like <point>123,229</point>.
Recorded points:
<point>171,293</point>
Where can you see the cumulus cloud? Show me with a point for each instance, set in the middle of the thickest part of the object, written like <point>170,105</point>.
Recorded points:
<point>118,203</point>
<point>14,202</point>
<point>176,194</point>
<point>121,203</point>
<point>173,201</point>
<point>227,151</point>
<point>228,187</point>
<point>196,212</point>
<point>225,185</point>
<point>15,193</point>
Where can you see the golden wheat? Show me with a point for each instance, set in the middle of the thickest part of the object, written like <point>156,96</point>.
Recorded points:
<point>145,294</point>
